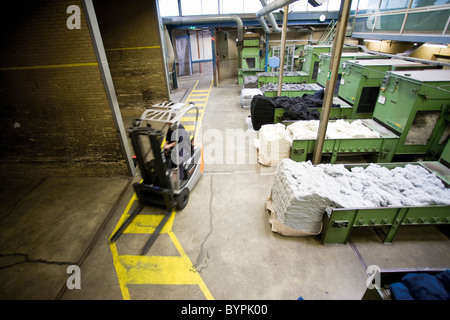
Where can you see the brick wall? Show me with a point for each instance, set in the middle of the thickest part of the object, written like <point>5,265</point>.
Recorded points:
<point>130,33</point>
<point>55,119</point>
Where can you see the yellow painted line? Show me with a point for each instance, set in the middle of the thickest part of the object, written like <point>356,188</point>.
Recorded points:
<point>190,99</point>
<point>199,94</point>
<point>189,128</point>
<point>133,48</point>
<point>188,118</point>
<point>175,270</point>
<point>147,223</point>
<point>51,66</point>
<point>201,90</point>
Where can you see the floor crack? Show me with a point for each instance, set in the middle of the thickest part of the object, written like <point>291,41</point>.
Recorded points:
<point>26,259</point>
<point>202,259</point>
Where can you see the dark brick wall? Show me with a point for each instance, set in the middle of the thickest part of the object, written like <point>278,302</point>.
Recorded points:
<point>55,119</point>
<point>130,33</point>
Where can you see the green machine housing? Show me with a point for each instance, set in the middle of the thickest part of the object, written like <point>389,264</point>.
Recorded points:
<point>361,81</point>
<point>415,105</point>
<point>325,60</point>
<point>310,64</point>
<point>251,58</point>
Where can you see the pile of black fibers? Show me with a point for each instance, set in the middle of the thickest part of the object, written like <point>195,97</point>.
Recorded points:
<point>301,108</point>
<point>296,108</point>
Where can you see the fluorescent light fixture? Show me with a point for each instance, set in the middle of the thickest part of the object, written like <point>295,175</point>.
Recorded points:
<point>435,45</point>
<point>374,41</point>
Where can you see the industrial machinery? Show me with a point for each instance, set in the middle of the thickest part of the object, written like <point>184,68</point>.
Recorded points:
<point>252,57</point>
<point>339,222</point>
<point>411,116</point>
<point>325,60</point>
<point>415,105</point>
<point>310,65</point>
<point>374,149</point>
<point>361,81</point>
<point>164,183</point>
<point>288,77</point>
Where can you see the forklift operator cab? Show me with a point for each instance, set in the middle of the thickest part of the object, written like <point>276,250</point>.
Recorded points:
<point>169,169</point>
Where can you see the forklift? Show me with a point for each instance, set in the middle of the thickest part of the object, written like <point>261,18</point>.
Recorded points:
<point>168,177</point>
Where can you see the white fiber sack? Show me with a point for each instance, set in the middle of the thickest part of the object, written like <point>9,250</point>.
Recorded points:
<point>274,144</point>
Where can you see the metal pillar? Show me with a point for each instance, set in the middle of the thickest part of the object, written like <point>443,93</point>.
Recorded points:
<point>100,53</point>
<point>336,53</point>
<point>283,48</point>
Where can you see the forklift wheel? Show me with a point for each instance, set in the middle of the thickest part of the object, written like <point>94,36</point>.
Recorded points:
<point>182,199</point>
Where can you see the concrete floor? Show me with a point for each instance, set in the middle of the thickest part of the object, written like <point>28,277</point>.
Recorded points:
<point>219,247</point>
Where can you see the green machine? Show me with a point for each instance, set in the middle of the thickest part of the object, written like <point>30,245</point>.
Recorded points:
<point>415,105</point>
<point>361,81</point>
<point>376,150</point>
<point>325,60</point>
<point>310,65</point>
<point>339,222</point>
<point>252,57</point>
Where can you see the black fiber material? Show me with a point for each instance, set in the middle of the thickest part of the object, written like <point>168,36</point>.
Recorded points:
<point>296,108</point>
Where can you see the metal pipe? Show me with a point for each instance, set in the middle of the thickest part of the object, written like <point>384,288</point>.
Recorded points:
<point>282,50</point>
<point>277,4</point>
<point>336,53</point>
<point>271,19</point>
<point>212,18</point>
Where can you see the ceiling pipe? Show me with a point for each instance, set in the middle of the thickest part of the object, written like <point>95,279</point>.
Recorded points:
<point>272,20</point>
<point>277,4</point>
<point>210,18</point>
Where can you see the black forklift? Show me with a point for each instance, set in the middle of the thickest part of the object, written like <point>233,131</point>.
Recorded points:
<point>167,180</point>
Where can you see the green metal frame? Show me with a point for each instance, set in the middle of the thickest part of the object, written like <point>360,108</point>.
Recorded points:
<point>338,224</point>
<point>380,149</point>
<point>301,77</point>
<point>290,93</point>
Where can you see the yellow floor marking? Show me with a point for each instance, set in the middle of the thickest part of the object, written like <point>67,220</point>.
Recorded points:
<point>170,270</point>
<point>51,66</point>
<point>193,99</point>
<point>188,118</point>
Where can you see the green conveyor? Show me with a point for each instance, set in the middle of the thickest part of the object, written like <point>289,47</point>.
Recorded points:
<point>339,222</point>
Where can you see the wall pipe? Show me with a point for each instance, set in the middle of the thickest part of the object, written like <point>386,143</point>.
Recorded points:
<point>336,53</point>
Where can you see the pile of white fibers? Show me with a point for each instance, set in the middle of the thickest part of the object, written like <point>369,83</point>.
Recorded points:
<point>274,144</point>
<point>302,192</point>
<point>339,129</point>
